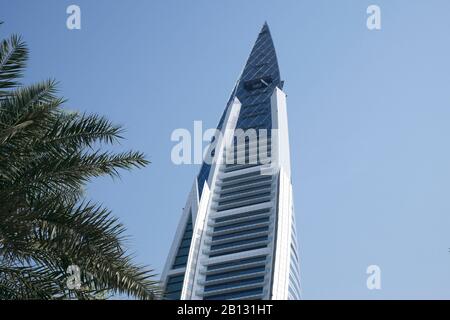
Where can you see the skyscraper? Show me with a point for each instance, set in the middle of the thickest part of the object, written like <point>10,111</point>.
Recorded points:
<point>237,238</point>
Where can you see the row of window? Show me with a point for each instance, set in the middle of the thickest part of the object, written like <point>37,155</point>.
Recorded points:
<point>242,224</point>
<point>243,203</point>
<point>246,190</point>
<point>230,167</point>
<point>242,176</point>
<point>244,198</point>
<point>233,284</point>
<point>238,243</point>
<point>229,274</point>
<point>174,286</point>
<point>250,139</point>
<point>257,158</point>
<point>240,233</point>
<point>183,249</point>
<point>236,262</point>
<point>263,149</point>
<point>235,295</point>
<point>242,215</point>
<point>248,248</point>
<point>260,178</point>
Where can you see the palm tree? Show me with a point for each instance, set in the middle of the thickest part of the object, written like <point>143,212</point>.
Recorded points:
<point>47,228</point>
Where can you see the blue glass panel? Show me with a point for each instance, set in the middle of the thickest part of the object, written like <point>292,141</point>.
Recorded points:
<point>241,224</point>
<point>254,247</point>
<point>242,215</point>
<point>173,287</point>
<point>183,249</point>
<point>240,233</point>
<point>236,262</point>
<point>235,295</point>
<point>238,243</point>
<point>232,284</point>
<point>224,275</point>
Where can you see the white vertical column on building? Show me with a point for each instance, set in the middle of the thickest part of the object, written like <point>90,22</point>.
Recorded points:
<point>280,143</point>
<point>194,252</point>
<point>280,124</point>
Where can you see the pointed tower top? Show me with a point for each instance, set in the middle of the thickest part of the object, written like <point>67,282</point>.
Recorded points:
<point>265,27</point>
<point>262,62</point>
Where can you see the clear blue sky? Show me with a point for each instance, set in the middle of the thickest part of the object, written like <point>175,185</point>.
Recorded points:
<point>369,117</point>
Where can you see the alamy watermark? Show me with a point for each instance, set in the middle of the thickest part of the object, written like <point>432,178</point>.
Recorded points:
<point>373,281</point>
<point>374,19</point>
<point>240,146</point>
<point>73,281</point>
<point>73,21</point>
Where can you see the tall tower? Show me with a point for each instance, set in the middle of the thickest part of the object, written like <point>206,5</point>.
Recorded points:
<point>237,238</point>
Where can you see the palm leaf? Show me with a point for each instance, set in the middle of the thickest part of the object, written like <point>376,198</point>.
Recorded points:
<point>13,57</point>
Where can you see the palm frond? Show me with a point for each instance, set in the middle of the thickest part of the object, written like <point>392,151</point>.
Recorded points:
<point>13,57</point>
